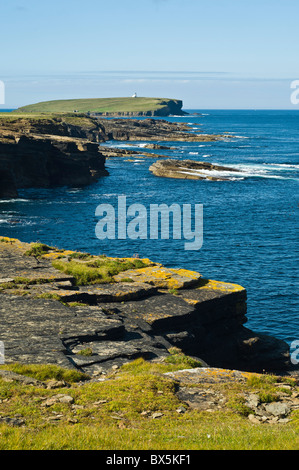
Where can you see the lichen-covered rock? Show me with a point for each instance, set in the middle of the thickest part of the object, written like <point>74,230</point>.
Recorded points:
<point>143,312</point>
<point>162,277</point>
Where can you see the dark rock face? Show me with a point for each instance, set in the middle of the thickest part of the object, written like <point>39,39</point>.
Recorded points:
<point>8,187</point>
<point>41,162</point>
<point>78,126</point>
<point>168,107</point>
<point>45,152</point>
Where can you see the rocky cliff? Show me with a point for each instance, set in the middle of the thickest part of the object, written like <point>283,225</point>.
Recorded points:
<point>78,126</point>
<point>57,150</point>
<point>49,152</point>
<point>128,106</point>
<point>47,162</point>
<point>154,129</point>
<point>52,314</point>
<point>167,108</point>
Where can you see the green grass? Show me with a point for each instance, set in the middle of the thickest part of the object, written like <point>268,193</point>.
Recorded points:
<point>97,105</point>
<point>38,249</point>
<point>95,272</point>
<point>46,372</point>
<point>117,414</point>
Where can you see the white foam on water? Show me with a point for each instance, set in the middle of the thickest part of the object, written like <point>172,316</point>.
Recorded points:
<point>282,166</point>
<point>266,171</point>
<point>14,200</point>
<point>244,171</point>
<point>212,173</point>
<point>238,136</point>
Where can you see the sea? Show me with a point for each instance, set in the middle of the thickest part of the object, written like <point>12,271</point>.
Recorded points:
<point>250,220</point>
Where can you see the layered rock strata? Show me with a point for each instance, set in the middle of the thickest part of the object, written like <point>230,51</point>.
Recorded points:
<point>154,129</point>
<point>189,169</point>
<point>166,108</point>
<point>38,161</point>
<point>63,150</point>
<point>48,317</point>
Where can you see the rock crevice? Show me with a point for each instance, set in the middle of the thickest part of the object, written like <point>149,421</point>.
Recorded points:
<point>47,318</point>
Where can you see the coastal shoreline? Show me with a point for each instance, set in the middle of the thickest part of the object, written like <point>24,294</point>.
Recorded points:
<point>143,311</point>
<point>54,150</point>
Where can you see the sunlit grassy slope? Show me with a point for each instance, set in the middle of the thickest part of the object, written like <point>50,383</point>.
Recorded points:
<point>98,105</point>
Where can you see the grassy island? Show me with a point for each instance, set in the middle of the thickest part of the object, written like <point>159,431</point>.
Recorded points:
<point>143,106</point>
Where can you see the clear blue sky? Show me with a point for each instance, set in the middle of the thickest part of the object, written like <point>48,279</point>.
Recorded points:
<point>209,53</point>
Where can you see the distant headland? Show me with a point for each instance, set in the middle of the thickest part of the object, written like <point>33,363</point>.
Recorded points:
<point>133,106</point>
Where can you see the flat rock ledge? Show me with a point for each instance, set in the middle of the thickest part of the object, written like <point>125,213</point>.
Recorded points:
<point>46,317</point>
<point>189,169</point>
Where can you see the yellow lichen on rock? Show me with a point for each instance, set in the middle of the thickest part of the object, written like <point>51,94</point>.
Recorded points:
<point>13,243</point>
<point>220,286</point>
<point>164,278</point>
<point>58,254</point>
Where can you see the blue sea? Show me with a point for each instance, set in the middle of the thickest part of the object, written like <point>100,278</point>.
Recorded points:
<point>250,221</point>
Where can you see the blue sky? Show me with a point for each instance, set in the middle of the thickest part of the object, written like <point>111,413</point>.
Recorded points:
<point>209,53</point>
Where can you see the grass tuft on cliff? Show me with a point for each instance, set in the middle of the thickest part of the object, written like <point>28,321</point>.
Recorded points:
<point>98,271</point>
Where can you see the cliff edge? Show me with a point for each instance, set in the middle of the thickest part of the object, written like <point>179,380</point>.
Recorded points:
<point>110,107</point>
<point>89,313</point>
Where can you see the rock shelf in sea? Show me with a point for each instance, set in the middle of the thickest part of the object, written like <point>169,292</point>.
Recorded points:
<point>189,169</point>
<point>51,150</point>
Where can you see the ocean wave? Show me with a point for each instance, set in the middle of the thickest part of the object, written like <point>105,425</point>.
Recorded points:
<point>20,222</point>
<point>267,167</point>
<point>244,172</point>
<point>283,166</point>
<point>221,175</point>
<point>259,171</point>
<point>14,200</point>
